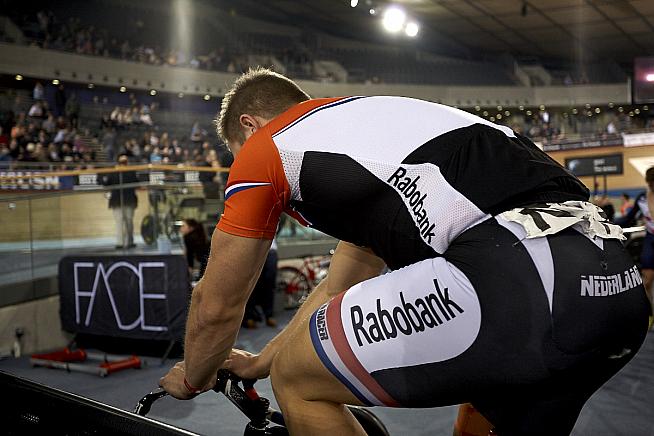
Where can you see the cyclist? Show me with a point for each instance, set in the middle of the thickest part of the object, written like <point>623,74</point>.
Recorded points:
<point>508,289</point>
<point>642,206</point>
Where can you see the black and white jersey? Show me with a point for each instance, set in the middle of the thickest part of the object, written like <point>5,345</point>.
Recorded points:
<point>402,176</point>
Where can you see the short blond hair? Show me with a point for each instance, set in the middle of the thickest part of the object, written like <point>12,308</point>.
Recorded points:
<point>258,92</point>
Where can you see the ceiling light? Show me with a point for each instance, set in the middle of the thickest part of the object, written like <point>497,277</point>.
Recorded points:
<point>123,89</point>
<point>650,77</point>
<point>372,11</point>
<point>90,86</point>
<point>207,97</point>
<point>55,81</point>
<point>153,92</point>
<point>411,29</point>
<point>354,3</point>
<point>394,18</point>
<point>19,77</point>
<point>180,95</point>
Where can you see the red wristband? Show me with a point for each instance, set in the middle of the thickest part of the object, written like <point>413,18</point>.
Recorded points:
<point>190,388</point>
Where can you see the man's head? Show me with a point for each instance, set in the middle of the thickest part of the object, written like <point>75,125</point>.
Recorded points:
<point>256,97</point>
<point>123,159</point>
<point>649,178</point>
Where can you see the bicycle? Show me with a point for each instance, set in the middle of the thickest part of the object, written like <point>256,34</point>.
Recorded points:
<point>264,420</point>
<point>297,282</point>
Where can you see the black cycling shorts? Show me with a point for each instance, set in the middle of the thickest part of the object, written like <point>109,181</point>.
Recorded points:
<point>524,329</point>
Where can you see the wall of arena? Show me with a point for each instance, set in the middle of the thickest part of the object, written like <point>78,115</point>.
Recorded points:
<point>632,179</point>
<point>50,64</point>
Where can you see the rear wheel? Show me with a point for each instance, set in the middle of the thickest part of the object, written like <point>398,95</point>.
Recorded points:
<point>369,421</point>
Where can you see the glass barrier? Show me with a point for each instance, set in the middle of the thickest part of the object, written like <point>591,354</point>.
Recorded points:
<point>139,209</point>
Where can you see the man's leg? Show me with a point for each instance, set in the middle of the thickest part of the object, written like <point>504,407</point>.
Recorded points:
<point>129,225</point>
<point>118,219</point>
<point>311,398</point>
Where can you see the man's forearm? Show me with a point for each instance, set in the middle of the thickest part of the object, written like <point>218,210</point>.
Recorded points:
<point>209,339</point>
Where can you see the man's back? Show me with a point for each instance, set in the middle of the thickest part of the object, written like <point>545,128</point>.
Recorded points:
<point>402,176</point>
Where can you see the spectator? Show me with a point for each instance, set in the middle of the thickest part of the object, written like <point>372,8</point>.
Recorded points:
<point>72,110</point>
<point>60,100</point>
<point>36,111</point>
<point>123,202</point>
<point>196,132</point>
<point>39,91</point>
<point>48,124</point>
<point>196,245</point>
<point>263,294</point>
<point>626,204</point>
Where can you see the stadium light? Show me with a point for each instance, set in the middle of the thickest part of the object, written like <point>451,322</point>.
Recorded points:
<point>153,92</point>
<point>372,11</point>
<point>90,86</point>
<point>650,77</point>
<point>55,81</point>
<point>393,19</point>
<point>354,3</point>
<point>19,77</point>
<point>123,89</point>
<point>411,29</point>
<point>180,95</point>
<point>207,97</point>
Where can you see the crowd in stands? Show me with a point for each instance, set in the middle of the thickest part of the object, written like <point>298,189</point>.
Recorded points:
<point>51,32</point>
<point>43,134</point>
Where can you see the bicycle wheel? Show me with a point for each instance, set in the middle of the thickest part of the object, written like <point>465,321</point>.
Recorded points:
<point>171,229</point>
<point>294,285</point>
<point>148,230</point>
<point>369,421</point>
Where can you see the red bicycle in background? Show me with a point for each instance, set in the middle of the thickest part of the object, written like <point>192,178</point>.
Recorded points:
<point>297,278</point>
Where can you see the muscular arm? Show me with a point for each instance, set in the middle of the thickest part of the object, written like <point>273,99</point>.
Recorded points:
<point>349,265</point>
<point>218,303</point>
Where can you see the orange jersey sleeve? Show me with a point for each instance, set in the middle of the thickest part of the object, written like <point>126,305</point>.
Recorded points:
<point>257,191</point>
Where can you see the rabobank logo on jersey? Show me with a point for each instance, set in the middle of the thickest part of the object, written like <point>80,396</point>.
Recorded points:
<point>408,187</point>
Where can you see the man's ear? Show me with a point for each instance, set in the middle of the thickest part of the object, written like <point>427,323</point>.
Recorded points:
<point>248,122</point>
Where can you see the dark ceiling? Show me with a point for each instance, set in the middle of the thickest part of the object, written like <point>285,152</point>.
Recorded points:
<point>561,30</point>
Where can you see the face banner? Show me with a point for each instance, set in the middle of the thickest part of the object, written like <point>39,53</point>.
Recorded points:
<point>139,297</point>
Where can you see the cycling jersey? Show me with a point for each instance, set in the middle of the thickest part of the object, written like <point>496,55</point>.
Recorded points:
<point>402,176</point>
<point>639,209</point>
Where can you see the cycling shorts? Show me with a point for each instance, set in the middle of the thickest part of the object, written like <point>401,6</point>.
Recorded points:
<point>647,255</point>
<point>524,329</point>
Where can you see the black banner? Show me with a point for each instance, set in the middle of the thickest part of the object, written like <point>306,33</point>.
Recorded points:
<point>139,297</point>
<point>610,141</point>
<point>610,164</point>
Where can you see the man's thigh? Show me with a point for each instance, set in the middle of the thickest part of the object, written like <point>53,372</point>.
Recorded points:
<point>297,369</point>
<point>377,338</point>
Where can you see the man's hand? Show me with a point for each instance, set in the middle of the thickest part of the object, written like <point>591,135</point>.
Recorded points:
<point>173,383</point>
<point>247,365</point>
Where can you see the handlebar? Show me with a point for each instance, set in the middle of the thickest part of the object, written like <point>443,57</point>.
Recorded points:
<point>256,408</point>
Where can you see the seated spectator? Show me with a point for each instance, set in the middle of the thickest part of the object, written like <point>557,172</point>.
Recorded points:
<point>36,111</point>
<point>61,135</point>
<point>116,116</point>
<point>145,116</point>
<point>196,132</point>
<point>49,124</point>
<point>626,204</point>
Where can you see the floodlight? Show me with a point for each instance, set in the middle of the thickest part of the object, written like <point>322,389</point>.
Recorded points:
<point>393,19</point>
